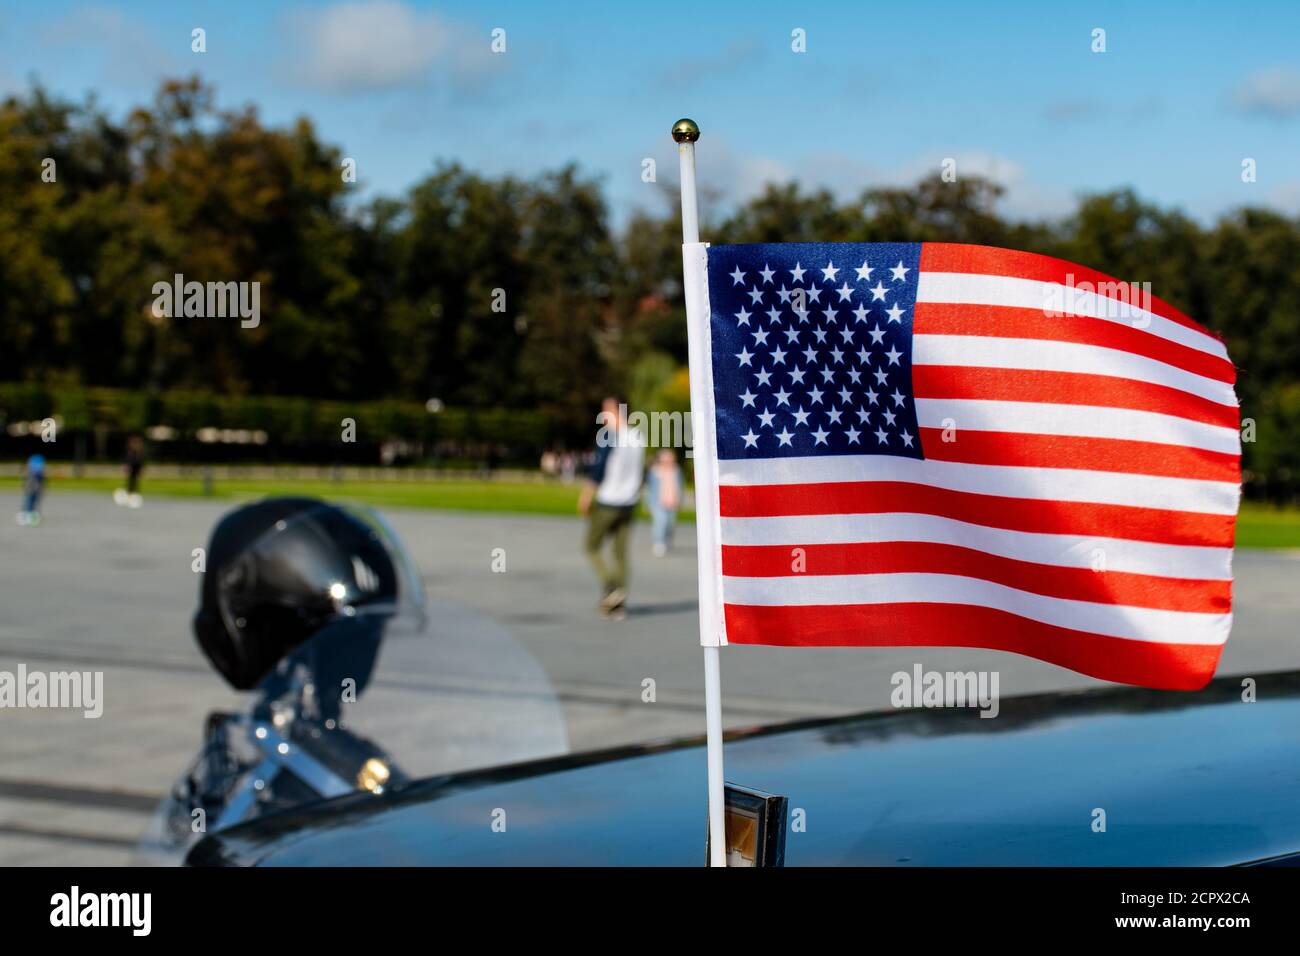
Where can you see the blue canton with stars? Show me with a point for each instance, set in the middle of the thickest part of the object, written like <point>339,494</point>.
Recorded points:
<point>812,349</point>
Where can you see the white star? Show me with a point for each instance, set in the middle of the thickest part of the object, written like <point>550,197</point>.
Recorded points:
<point>800,417</point>
<point>863,415</point>
<point>773,315</point>
<point>864,356</point>
<point>864,271</point>
<point>815,396</point>
<point>900,271</point>
<point>813,294</point>
<point>871,397</point>
<point>782,397</point>
<point>791,336</point>
<point>897,396</point>
<point>847,335</point>
<point>747,398</point>
<point>742,317</point>
<point>894,355</point>
<point>846,292</point>
<point>834,415</point>
<point>861,312</point>
<point>878,291</point>
<point>796,376</point>
<point>810,354</point>
<point>895,313</point>
<point>889,416</point>
<point>820,435</point>
<point>881,436</point>
<point>760,337</point>
<point>845,395</point>
<point>738,277</point>
<point>907,439</point>
<point>837,355</point>
<point>855,375</point>
<point>765,419</point>
<point>801,315</point>
<point>755,296</point>
<point>797,273</point>
<point>763,377</point>
<point>852,434</point>
<point>828,376</point>
<point>744,356</point>
<point>881,377</point>
<point>877,335</point>
<point>785,436</point>
<point>766,274</point>
<point>821,336</point>
<point>829,271</point>
<point>778,357</point>
<point>751,440</point>
<point>784,293</point>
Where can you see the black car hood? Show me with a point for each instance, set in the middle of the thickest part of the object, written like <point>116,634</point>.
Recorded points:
<point>1198,778</point>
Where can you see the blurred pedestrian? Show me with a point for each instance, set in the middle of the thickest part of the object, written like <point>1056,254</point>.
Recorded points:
<point>664,497</point>
<point>33,490</point>
<point>609,498</point>
<point>550,463</point>
<point>134,464</point>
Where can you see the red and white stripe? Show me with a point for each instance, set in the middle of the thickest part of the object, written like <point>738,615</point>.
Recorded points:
<point>1081,512</point>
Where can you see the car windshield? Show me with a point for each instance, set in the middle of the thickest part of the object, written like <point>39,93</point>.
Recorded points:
<point>433,695</point>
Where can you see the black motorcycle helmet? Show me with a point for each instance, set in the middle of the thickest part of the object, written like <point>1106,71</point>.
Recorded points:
<point>280,570</point>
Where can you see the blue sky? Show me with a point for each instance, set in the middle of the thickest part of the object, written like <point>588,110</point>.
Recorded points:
<point>884,92</point>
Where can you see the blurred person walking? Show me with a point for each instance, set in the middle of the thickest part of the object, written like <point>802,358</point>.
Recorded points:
<point>550,463</point>
<point>608,498</point>
<point>134,463</point>
<point>33,490</point>
<point>664,496</point>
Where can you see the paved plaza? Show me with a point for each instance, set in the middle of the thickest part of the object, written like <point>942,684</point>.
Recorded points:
<point>103,588</point>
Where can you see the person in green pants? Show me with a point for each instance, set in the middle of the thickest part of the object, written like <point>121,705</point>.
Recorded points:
<point>609,497</point>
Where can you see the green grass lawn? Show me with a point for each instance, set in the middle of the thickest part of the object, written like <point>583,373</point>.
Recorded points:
<point>451,494</point>
<point>1259,526</point>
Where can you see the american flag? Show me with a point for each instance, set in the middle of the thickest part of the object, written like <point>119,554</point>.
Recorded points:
<point>930,444</point>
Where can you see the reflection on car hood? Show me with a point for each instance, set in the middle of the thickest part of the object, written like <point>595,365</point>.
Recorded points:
<point>1184,779</point>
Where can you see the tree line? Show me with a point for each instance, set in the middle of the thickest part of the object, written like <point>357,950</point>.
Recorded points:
<point>498,292</point>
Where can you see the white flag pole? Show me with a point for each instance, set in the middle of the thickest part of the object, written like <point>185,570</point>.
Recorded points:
<point>695,281</point>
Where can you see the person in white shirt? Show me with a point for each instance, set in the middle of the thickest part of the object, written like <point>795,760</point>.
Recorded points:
<point>609,498</point>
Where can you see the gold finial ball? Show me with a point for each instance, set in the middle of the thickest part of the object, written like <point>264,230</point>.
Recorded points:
<point>685,131</point>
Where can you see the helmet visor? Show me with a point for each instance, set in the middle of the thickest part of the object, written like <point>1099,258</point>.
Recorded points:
<point>320,564</point>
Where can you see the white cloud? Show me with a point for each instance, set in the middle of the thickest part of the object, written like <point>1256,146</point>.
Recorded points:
<point>1286,198</point>
<point>688,74</point>
<point>1073,109</point>
<point>1271,92</point>
<point>735,178</point>
<point>382,44</point>
<point>130,53</point>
